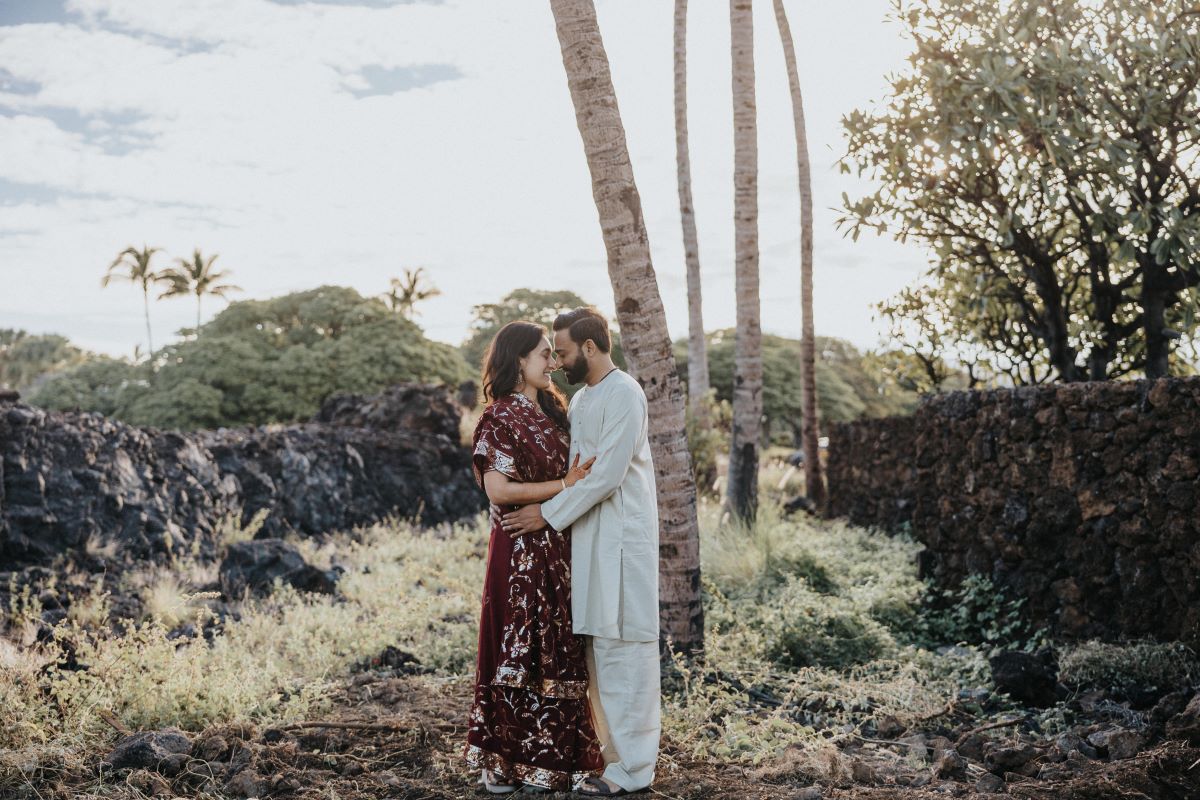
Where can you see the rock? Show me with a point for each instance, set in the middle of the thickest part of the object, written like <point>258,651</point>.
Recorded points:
<point>1117,743</point>
<point>990,784</point>
<point>393,658</point>
<point>950,765</point>
<point>1067,743</point>
<point>72,478</point>
<point>1006,757</point>
<point>247,783</point>
<point>809,793</point>
<point>146,749</point>
<point>1078,499</point>
<point>1186,724</point>
<point>173,764</point>
<point>1025,677</point>
<point>862,772</point>
<point>404,407</point>
<point>254,566</point>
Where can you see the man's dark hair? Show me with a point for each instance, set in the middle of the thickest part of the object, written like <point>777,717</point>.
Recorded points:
<point>583,324</point>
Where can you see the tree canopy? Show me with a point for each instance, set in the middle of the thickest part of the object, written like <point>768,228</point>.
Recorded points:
<point>847,387</point>
<point>1047,155</point>
<point>27,359</point>
<point>261,361</point>
<point>531,305</point>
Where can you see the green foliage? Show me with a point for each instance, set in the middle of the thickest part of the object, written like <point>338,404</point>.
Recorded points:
<point>530,305</point>
<point>27,360</point>
<point>846,390</point>
<point>1046,153</point>
<point>806,628</point>
<point>708,431</point>
<point>1135,665</point>
<point>979,613</point>
<point>261,361</point>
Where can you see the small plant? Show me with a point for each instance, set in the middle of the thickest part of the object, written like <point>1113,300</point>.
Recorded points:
<point>230,530</point>
<point>976,612</point>
<point>1145,666</point>
<point>708,435</point>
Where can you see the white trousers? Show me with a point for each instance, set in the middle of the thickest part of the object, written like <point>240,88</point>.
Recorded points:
<point>624,692</point>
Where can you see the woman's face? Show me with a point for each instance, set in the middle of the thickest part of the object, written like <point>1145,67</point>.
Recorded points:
<point>538,365</point>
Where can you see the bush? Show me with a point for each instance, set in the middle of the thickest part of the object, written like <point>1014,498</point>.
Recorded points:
<point>803,629</point>
<point>1145,666</point>
<point>261,361</point>
<point>977,612</point>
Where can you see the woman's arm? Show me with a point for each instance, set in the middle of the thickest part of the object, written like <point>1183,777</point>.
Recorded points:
<point>503,490</point>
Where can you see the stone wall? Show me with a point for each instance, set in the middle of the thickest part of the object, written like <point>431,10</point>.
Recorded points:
<point>70,481</point>
<point>1082,497</point>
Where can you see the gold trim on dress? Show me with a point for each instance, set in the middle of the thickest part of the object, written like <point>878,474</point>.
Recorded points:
<point>525,773</point>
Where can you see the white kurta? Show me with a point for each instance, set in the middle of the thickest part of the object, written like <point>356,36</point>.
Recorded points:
<point>612,513</point>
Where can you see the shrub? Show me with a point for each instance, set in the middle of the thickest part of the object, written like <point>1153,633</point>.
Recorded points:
<point>1146,666</point>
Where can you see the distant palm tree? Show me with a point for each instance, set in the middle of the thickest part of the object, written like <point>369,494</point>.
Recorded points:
<point>813,478</point>
<point>406,292</point>
<point>133,265</point>
<point>196,276</point>
<point>697,355</point>
<point>748,367</point>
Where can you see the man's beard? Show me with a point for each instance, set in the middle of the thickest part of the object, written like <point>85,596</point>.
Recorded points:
<point>577,372</point>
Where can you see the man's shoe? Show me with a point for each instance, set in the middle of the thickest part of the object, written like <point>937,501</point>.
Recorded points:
<point>599,787</point>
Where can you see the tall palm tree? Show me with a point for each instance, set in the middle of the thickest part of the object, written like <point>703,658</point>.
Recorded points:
<point>748,372</point>
<point>196,276</point>
<point>406,292</point>
<point>640,314</point>
<point>814,480</point>
<point>697,350</point>
<point>133,265</point>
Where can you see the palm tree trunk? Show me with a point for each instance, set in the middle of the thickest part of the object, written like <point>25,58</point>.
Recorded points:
<point>146,309</point>
<point>697,349</point>
<point>199,297</point>
<point>814,478</point>
<point>640,314</point>
<point>747,369</point>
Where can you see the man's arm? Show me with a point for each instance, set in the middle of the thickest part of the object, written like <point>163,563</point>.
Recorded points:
<point>624,424</point>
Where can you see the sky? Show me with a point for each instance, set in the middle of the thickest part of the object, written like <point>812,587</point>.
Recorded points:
<point>311,143</point>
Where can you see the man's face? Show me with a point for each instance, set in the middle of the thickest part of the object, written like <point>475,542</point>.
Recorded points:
<point>571,357</point>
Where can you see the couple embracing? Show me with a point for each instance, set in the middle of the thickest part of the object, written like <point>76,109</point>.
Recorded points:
<point>567,679</point>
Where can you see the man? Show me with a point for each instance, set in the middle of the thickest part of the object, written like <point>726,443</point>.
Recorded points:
<point>613,516</point>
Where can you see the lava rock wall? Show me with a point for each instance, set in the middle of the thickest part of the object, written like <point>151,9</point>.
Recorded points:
<point>1082,498</point>
<point>71,481</point>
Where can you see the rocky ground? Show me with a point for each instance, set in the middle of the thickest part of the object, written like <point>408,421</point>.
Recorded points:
<point>397,733</point>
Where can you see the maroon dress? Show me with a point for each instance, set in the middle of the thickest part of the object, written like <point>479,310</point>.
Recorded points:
<point>530,721</point>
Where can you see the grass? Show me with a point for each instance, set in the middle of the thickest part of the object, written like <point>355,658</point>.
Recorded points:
<point>814,633</point>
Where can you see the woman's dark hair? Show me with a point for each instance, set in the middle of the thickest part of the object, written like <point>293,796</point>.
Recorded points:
<point>502,368</point>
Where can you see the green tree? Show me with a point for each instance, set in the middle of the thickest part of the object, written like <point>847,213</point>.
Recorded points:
<point>846,387</point>
<point>262,361</point>
<point>404,293</point>
<point>26,360</point>
<point>133,265</point>
<point>196,276</point>
<point>531,305</point>
<point>1047,155</point>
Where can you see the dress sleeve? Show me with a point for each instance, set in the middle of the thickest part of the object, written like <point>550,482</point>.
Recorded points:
<point>495,449</point>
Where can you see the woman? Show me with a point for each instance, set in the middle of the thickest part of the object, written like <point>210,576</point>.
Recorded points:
<point>530,723</point>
